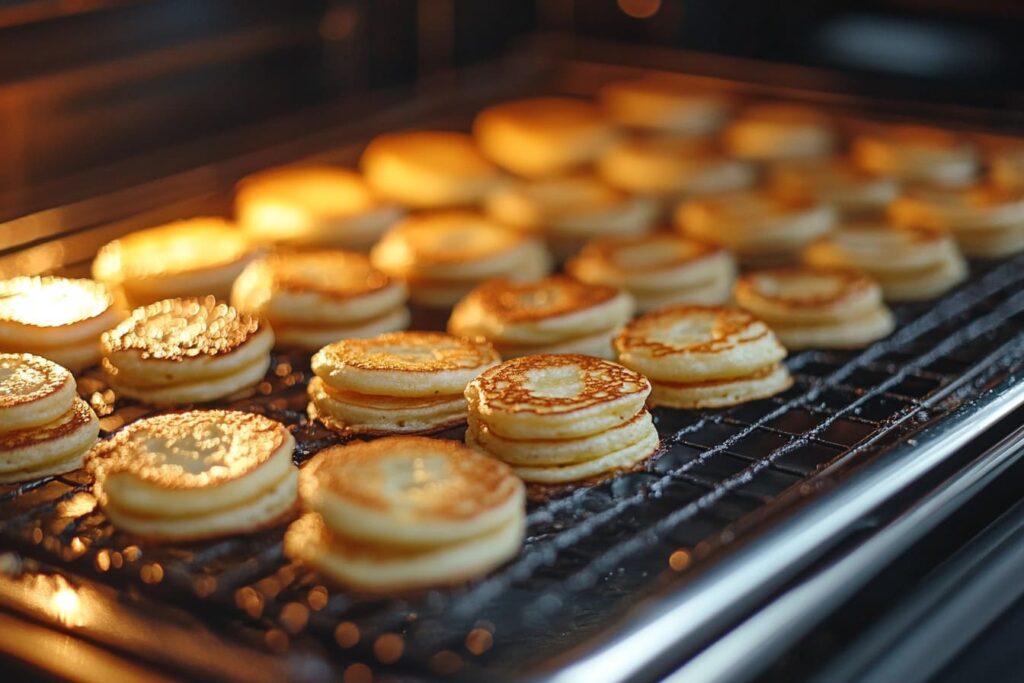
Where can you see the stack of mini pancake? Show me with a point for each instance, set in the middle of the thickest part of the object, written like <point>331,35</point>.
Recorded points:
<point>658,269</point>
<point>400,382</point>
<point>665,104</point>
<point>773,132</point>
<point>181,351</point>
<point>854,192</point>
<point>313,298</point>
<point>196,475</point>
<point>986,220</point>
<point>442,256</point>
<point>560,419</point>
<point>313,206</point>
<point>917,154</point>
<point>554,315</point>
<point>45,428</point>
<point>406,512</point>
<point>702,357</point>
<point>195,257</point>
<point>56,318</point>
<point>911,264</point>
<point>817,307</point>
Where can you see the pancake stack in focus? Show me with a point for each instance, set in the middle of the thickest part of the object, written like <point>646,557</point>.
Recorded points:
<point>702,357</point>
<point>45,428</point>
<point>196,257</point>
<point>917,154</point>
<point>658,269</point>
<point>406,512</point>
<point>428,169</point>
<point>853,192</point>
<point>911,264</point>
<point>544,136</point>
<point>779,132</point>
<point>987,221</point>
<point>317,297</point>
<point>760,227</point>
<point>554,315</point>
<point>182,351</point>
<point>666,105</point>
<point>673,168</point>
<point>569,210</point>
<point>817,308</point>
<point>401,382</point>
<point>196,475</point>
<point>312,206</point>
<point>442,256</point>
<point>559,419</point>
<point>56,318</point>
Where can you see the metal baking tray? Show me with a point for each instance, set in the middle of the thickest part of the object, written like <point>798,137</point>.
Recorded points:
<point>614,581</point>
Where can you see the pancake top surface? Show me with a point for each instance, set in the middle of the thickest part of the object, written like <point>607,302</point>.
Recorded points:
<point>551,115</point>
<point>25,378</point>
<point>690,329</point>
<point>552,384</point>
<point>444,151</point>
<point>644,253</point>
<point>79,415</point>
<point>52,301</point>
<point>178,329</point>
<point>332,273</point>
<point>546,298</point>
<point>191,450</point>
<point>183,247</point>
<point>408,352</point>
<point>806,287</point>
<point>448,237</point>
<point>323,190</point>
<point>412,477</point>
<point>569,194</point>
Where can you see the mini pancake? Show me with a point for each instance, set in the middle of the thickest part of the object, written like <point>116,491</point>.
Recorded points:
<point>552,452</point>
<point>814,296</point>
<point>410,491</point>
<point>556,396</point>
<point>455,248</point>
<point>664,104</point>
<point>350,412</point>
<point>443,294</point>
<point>992,243</point>
<point>33,391</point>
<point>909,263</point>
<point>543,136</point>
<point>855,333</point>
<point>321,296</point>
<point>198,474</point>
<point>312,206</point>
<point>196,257</point>
<point>917,154</point>
<point>836,182</point>
<point>1006,166</point>
<point>57,318</point>
<point>186,350</point>
<point>658,269</point>
<point>409,364</point>
<point>724,392</point>
<point>756,224</point>
<point>428,169</point>
<point>687,344</point>
<point>671,168</point>
<point>52,448</point>
<point>778,132</point>
<point>554,309</point>
<point>388,569</point>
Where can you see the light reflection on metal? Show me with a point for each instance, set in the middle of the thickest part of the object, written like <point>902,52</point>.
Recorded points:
<point>64,604</point>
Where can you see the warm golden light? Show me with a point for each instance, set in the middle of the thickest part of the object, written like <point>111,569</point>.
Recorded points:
<point>65,605</point>
<point>640,9</point>
<point>51,301</point>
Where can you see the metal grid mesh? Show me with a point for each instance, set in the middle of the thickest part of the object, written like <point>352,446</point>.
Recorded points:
<point>589,552</point>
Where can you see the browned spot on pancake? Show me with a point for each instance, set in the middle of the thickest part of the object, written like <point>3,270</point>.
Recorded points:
<point>409,352</point>
<point>509,387</point>
<point>412,477</point>
<point>190,450</point>
<point>546,298</point>
<point>78,417</point>
<point>730,328</point>
<point>611,252</point>
<point>178,329</point>
<point>52,301</point>
<point>848,284</point>
<point>25,378</point>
